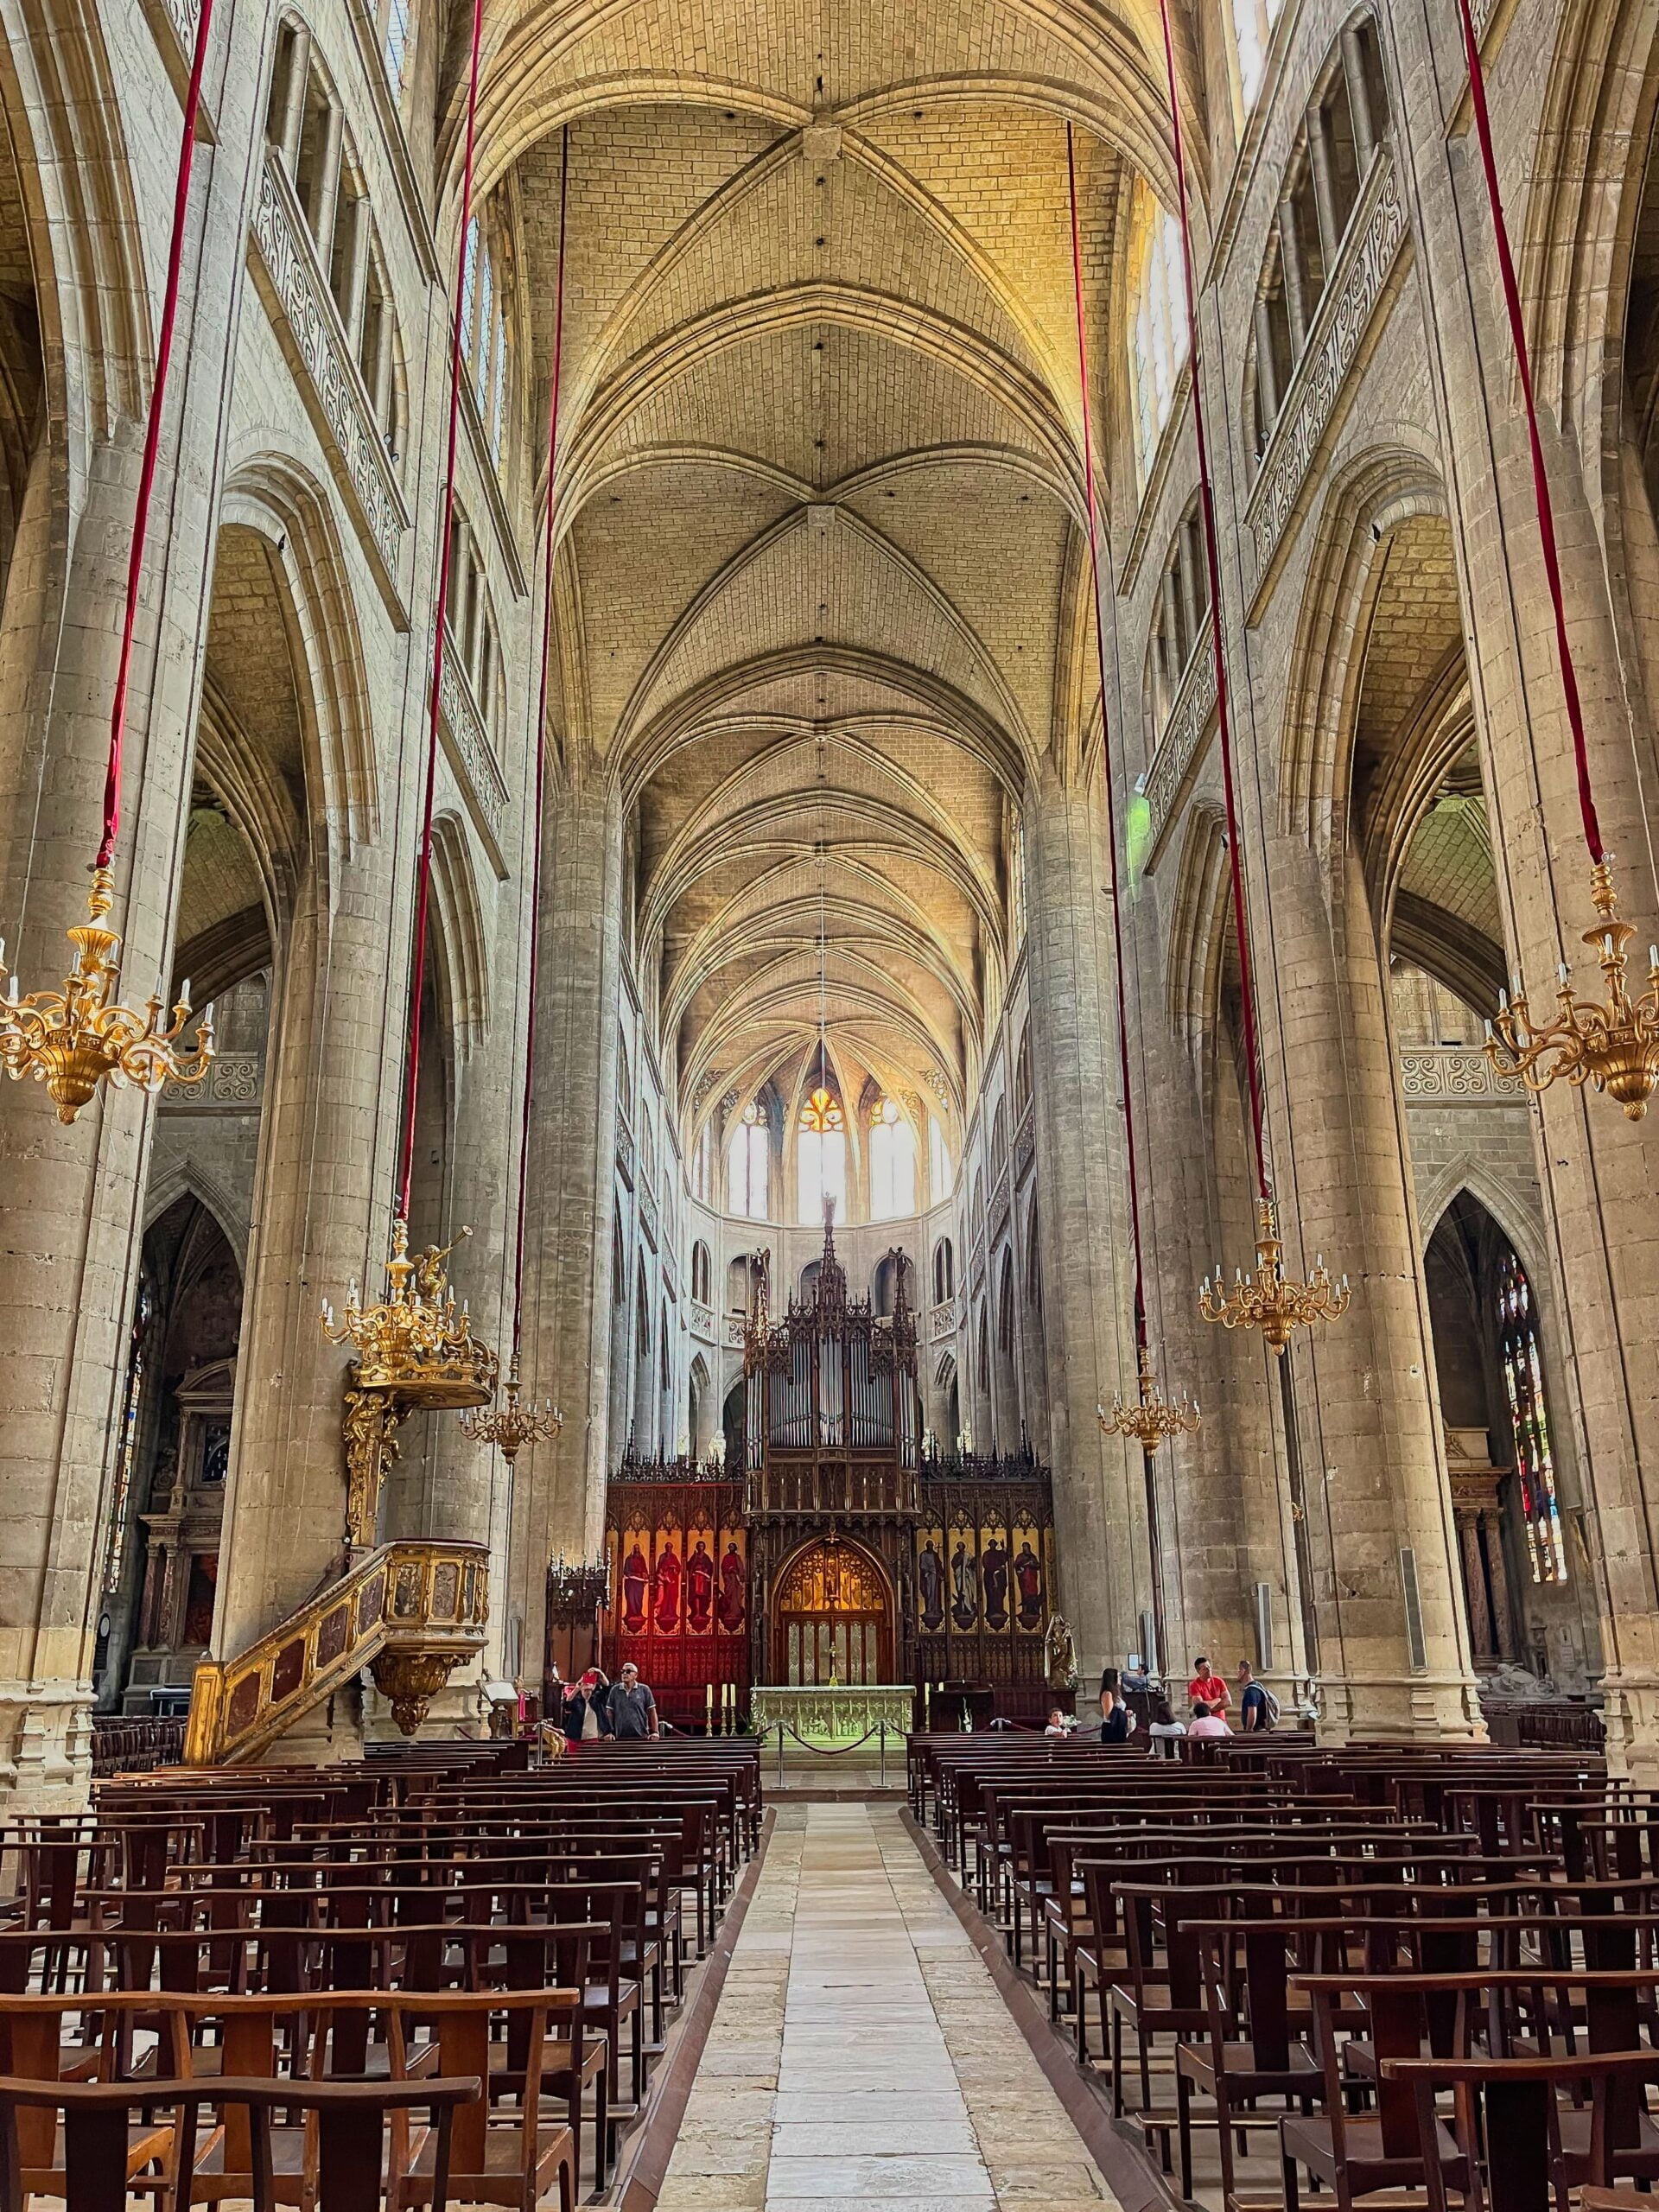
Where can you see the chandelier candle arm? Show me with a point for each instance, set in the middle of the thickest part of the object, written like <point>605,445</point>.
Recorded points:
<point>514,1422</point>
<point>1614,1048</point>
<point>1152,1421</point>
<point>1268,1299</point>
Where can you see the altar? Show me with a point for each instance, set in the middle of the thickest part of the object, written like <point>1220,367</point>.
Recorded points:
<point>832,1712</point>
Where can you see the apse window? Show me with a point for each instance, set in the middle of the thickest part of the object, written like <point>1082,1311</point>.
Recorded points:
<point>893,1162</point>
<point>821,1157</point>
<point>1534,1457</point>
<point>746,1164</point>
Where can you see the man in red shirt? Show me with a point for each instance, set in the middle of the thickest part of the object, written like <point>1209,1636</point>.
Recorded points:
<point>1209,1686</point>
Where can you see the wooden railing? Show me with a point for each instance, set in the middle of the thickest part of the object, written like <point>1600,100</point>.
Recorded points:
<point>411,1610</point>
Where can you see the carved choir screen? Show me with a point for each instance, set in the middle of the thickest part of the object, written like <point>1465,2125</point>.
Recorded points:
<point>832,1617</point>
<point>678,1547</point>
<point>984,1578</point>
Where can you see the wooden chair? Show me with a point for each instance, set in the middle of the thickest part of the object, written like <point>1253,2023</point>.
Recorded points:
<point>1512,2106</point>
<point>97,2126</point>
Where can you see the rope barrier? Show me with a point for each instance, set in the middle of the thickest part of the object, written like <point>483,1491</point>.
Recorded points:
<point>829,1751</point>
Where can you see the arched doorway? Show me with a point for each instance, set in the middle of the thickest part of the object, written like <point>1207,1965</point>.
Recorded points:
<point>832,1616</point>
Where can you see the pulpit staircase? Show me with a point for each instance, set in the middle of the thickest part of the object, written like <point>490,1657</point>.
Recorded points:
<point>410,1611</point>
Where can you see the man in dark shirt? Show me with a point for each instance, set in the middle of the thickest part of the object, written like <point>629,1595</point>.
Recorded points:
<point>632,1708</point>
<point>1254,1711</point>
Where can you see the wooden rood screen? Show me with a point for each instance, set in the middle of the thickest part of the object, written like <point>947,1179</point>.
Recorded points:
<point>678,1547</point>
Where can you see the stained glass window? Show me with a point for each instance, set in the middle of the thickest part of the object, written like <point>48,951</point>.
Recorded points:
<point>821,1164</point>
<point>126,1448</point>
<point>1534,1458</point>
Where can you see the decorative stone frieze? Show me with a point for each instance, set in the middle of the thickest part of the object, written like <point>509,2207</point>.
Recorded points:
<point>234,1082</point>
<point>648,1216</point>
<point>470,754</point>
<point>625,1153</point>
<point>308,326</point>
<point>1181,745</point>
<point>1024,1146</point>
<point>942,1321</point>
<point>703,1320</point>
<point>1370,246</point>
<point>1002,1206</point>
<point>1455,1075</point>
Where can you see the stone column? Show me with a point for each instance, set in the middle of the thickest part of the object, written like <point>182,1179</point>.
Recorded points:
<point>321,1217</point>
<point>1099,1512</point>
<point>1599,1172</point>
<point>1377,1493</point>
<point>71,1199</point>
<point>559,1503</point>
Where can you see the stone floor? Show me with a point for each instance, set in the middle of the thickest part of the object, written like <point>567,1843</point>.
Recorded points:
<point>861,2054</point>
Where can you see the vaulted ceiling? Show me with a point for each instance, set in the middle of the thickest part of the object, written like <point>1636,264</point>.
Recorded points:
<point>822,566</point>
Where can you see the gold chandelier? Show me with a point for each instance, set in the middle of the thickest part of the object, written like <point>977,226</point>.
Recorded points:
<point>417,1343</point>
<point>1152,1421</point>
<point>1267,1300</point>
<point>512,1425</point>
<point>1613,1047</point>
<point>71,1039</point>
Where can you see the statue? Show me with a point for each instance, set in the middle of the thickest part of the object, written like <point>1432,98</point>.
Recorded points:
<point>367,1433</point>
<point>1061,1655</point>
<point>431,1283</point>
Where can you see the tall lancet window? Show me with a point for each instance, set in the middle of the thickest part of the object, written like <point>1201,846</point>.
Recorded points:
<point>1534,1457</point>
<point>893,1162</point>
<point>746,1164</point>
<point>821,1156</point>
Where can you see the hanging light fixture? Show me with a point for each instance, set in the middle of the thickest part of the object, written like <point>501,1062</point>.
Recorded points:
<point>518,1422</point>
<point>1612,1047</point>
<point>1267,1300</point>
<point>72,1039</point>
<point>415,1325</point>
<point>1151,1421</point>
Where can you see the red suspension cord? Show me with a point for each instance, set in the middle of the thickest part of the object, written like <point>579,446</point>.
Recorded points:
<point>1206,503</point>
<point>153,437</point>
<point>1111,827</point>
<point>538,738</point>
<point>423,877</point>
<point>1540,478</point>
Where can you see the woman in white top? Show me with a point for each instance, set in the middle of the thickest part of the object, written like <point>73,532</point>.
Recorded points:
<point>1164,1728</point>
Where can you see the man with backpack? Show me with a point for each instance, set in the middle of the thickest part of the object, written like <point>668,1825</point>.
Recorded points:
<point>1258,1708</point>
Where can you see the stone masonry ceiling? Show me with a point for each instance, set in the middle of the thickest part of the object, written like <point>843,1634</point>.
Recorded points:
<point>820,491</point>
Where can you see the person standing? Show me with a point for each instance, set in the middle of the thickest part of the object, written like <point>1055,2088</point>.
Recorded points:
<point>633,1709</point>
<point>1255,1707</point>
<point>1210,1688</point>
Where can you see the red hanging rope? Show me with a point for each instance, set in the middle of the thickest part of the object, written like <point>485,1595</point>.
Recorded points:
<point>423,877</point>
<point>1111,827</point>
<point>1540,478</point>
<point>1206,505</point>
<point>538,738</point>
<point>153,437</point>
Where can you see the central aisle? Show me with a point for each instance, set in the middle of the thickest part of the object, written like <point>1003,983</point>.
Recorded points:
<point>861,2051</point>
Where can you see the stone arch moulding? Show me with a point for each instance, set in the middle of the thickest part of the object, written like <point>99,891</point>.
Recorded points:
<point>189,1178</point>
<point>1521,1223</point>
<point>1379,490</point>
<point>274,496</point>
<point>85,237</point>
<point>463,957</point>
<point>1198,929</point>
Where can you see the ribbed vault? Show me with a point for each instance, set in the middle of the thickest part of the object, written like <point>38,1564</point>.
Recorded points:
<point>820,495</point>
